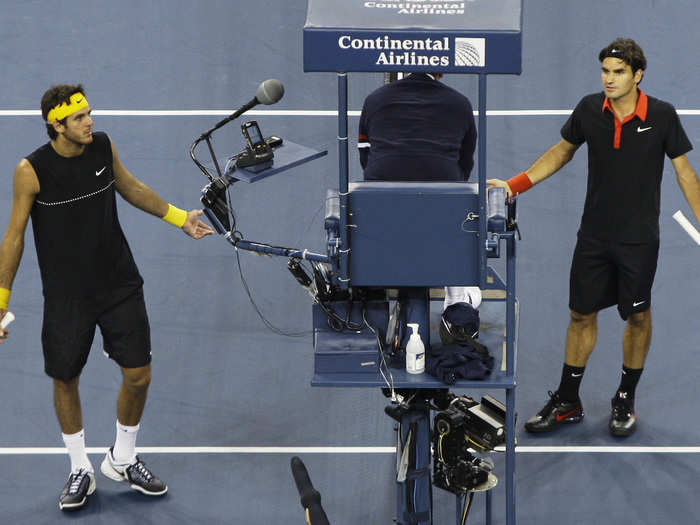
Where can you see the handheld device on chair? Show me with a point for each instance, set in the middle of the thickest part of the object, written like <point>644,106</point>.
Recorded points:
<point>258,150</point>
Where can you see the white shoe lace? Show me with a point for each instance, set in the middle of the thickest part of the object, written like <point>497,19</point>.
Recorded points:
<point>140,467</point>
<point>76,480</point>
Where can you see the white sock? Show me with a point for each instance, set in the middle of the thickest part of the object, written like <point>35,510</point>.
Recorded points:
<point>472,295</point>
<point>75,444</point>
<point>125,445</point>
<point>453,294</point>
<point>462,294</point>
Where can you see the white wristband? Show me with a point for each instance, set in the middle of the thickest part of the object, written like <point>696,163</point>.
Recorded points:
<point>9,317</point>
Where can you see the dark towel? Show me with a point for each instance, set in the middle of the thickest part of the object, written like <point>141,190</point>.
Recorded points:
<point>456,361</point>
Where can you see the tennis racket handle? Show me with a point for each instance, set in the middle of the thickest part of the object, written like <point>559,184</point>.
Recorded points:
<point>9,317</point>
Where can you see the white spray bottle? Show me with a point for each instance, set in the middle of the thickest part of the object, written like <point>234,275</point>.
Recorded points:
<point>415,352</point>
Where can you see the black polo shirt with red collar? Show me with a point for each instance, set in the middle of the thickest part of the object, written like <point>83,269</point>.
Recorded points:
<point>625,165</point>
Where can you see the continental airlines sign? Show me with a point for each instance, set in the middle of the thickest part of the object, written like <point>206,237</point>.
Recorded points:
<point>444,36</point>
<point>420,7</point>
<point>424,52</point>
<point>402,52</point>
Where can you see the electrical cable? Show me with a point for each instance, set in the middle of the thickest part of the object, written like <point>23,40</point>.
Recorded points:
<point>230,210</point>
<point>237,235</point>
<point>479,446</point>
<point>311,222</point>
<point>265,321</point>
<point>467,506</point>
<point>411,483</point>
<point>335,322</point>
<point>382,362</point>
<point>196,161</point>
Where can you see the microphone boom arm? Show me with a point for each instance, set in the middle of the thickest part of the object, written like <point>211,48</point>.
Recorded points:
<point>213,194</point>
<point>269,91</point>
<point>206,136</point>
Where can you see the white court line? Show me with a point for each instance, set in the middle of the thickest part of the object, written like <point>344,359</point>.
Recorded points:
<point>209,450</point>
<point>287,112</point>
<point>353,450</point>
<point>606,450</point>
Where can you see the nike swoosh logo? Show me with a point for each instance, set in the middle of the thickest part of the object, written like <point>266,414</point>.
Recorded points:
<point>562,417</point>
<point>640,129</point>
<point>576,375</point>
<point>637,304</point>
<point>98,173</point>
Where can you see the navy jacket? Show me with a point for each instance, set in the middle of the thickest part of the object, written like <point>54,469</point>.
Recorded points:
<point>417,129</point>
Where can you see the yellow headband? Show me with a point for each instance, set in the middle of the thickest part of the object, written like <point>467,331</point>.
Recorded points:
<point>77,102</point>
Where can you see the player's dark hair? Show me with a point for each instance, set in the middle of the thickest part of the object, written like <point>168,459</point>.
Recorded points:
<point>54,96</point>
<point>626,50</point>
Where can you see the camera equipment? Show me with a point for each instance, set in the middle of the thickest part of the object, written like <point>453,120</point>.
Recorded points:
<point>482,424</point>
<point>466,425</point>
<point>299,274</point>
<point>319,286</point>
<point>322,280</point>
<point>216,206</point>
<point>466,473</point>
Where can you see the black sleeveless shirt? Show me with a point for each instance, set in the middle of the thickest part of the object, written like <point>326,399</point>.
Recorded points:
<point>80,245</point>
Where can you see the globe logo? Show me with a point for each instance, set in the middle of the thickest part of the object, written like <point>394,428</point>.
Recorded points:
<point>469,52</point>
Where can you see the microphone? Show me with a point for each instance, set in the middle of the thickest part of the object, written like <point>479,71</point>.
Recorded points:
<point>269,92</point>
<point>310,497</point>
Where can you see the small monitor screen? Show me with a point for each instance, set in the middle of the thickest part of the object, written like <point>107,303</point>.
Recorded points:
<point>254,134</point>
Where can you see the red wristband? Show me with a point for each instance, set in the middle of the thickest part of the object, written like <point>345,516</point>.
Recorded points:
<point>520,183</point>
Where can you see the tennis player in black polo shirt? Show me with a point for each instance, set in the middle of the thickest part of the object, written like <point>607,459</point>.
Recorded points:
<point>628,133</point>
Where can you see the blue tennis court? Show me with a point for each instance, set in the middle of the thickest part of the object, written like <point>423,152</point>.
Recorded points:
<point>231,402</point>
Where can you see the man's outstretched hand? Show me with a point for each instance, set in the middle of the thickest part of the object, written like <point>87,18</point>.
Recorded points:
<point>194,227</point>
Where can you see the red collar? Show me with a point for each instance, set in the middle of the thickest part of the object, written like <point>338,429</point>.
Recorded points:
<point>640,110</point>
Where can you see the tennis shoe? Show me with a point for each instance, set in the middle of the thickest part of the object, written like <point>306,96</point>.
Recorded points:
<point>136,474</point>
<point>78,487</point>
<point>555,413</point>
<point>623,420</point>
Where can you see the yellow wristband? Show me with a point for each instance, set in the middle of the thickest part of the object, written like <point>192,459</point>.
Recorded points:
<point>4,298</point>
<point>175,216</point>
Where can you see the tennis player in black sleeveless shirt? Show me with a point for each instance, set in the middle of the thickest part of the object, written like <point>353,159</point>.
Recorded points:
<point>628,134</point>
<point>89,279</point>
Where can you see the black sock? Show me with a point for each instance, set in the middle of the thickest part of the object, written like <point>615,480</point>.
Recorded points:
<point>571,377</point>
<point>630,378</point>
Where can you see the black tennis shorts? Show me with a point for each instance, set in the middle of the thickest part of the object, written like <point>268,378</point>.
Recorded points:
<point>69,328</point>
<point>605,273</point>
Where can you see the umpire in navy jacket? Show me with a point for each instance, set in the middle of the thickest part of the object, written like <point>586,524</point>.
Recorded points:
<point>417,129</point>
